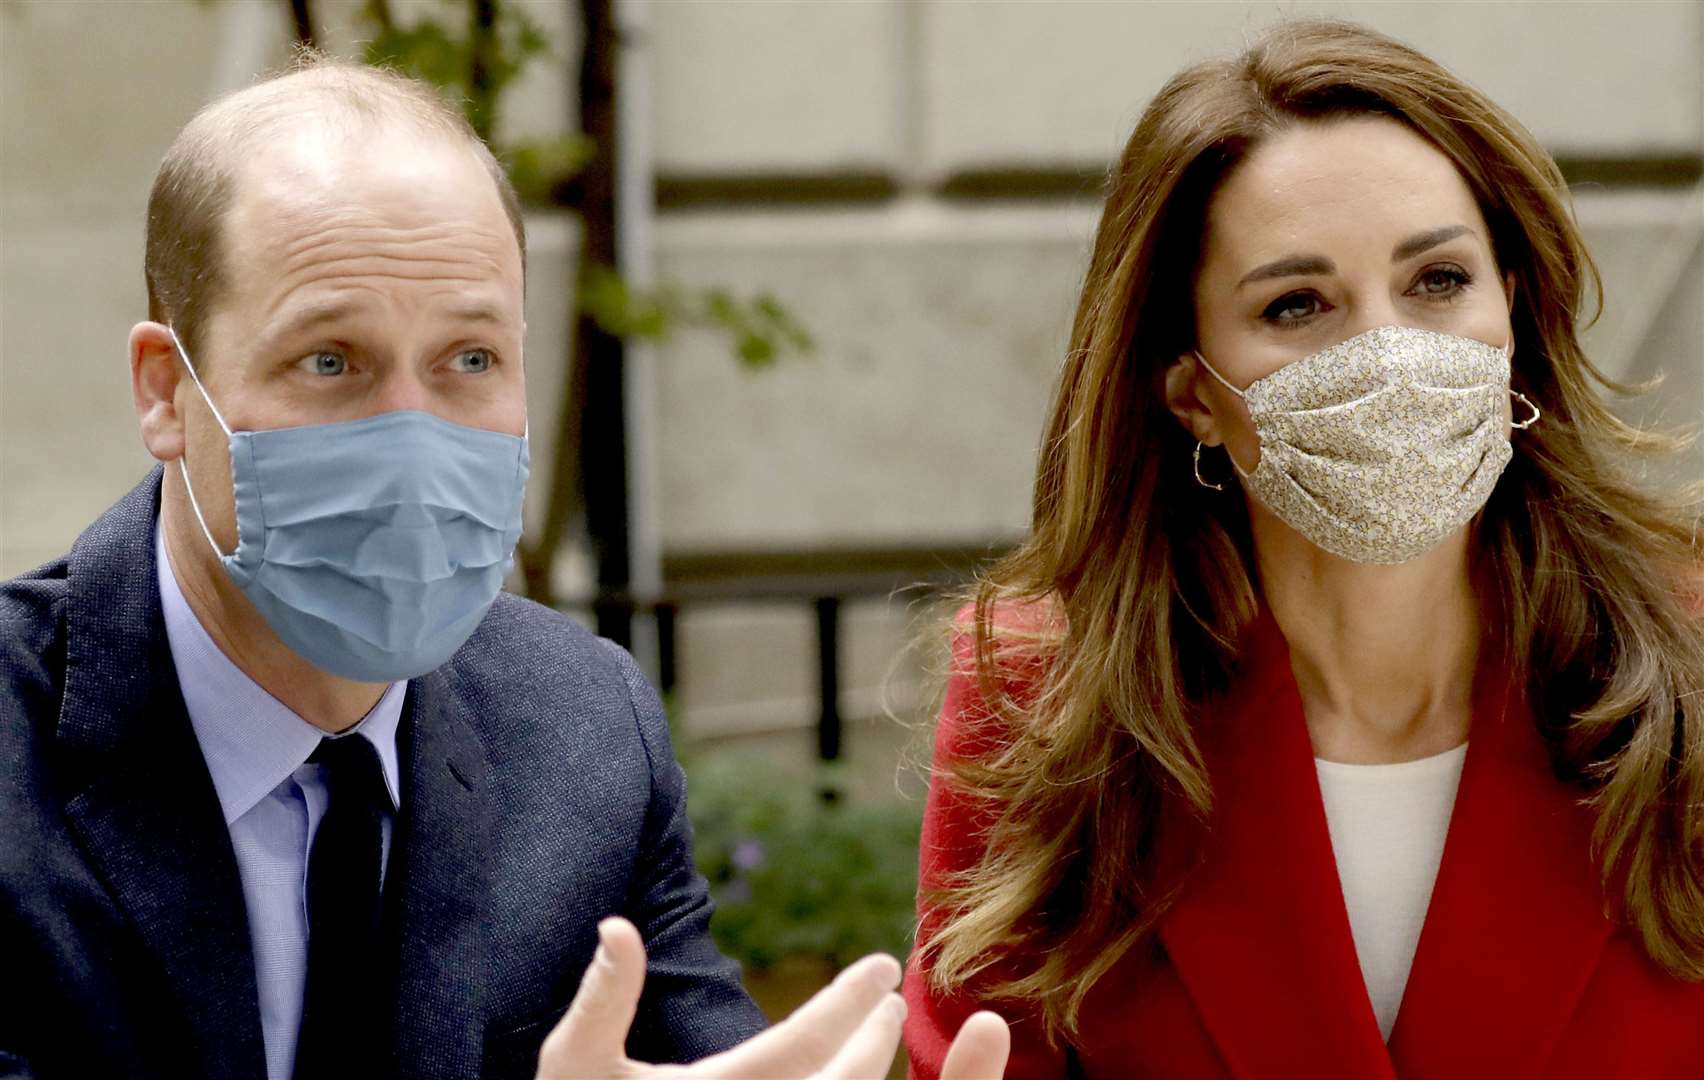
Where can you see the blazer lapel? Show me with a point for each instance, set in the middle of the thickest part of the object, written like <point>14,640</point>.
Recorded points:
<point>441,868</point>
<point>1259,934</point>
<point>1517,918</point>
<point>143,804</point>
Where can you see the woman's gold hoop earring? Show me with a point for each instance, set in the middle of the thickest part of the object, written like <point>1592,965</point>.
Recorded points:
<point>1529,421</point>
<point>1198,477</point>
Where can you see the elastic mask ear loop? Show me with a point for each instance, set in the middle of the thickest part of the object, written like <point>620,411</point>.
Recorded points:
<point>1520,425</point>
<point>1211,370</point>
<point>182,469</point>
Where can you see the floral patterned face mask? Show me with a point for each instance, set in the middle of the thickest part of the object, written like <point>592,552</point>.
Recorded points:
<point>1379,447</point>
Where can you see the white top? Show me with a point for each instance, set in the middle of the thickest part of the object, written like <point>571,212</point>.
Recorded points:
<point>1388,824</point>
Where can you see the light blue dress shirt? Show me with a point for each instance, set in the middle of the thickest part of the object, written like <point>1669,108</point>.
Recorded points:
<point>257,752</point>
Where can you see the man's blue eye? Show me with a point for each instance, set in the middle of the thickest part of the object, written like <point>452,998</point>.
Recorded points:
<point>325,363</point>
<point>474,360</point>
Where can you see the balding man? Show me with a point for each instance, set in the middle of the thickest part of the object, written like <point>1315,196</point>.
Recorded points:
<point>290,788</point>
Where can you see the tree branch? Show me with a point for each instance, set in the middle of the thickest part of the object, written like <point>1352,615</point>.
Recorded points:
<point>481,45</point>
<point>585,486</point>
<point>302,13</point>
<point>380,13</point>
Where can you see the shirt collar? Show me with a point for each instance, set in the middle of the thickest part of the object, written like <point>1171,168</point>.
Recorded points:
<point>251,740</point>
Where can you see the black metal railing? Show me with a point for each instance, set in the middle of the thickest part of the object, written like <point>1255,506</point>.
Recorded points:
<point>822,581</point>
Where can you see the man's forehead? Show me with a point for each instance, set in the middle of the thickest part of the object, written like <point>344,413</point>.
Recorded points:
<point>396,197</point>
<point>311,170</point>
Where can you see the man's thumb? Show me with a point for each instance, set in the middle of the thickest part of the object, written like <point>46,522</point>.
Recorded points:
<point>591,1039</point>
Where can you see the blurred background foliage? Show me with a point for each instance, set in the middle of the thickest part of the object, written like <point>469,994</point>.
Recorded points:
<point>795,874</point>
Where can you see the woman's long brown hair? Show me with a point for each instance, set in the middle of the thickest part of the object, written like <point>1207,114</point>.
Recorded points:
<point>1133,583</point>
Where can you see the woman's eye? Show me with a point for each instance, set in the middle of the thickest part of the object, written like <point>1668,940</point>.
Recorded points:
<point>1441,282</point>
<point>1293,308</point>
<point>473,361</point>
<point>323,363</point>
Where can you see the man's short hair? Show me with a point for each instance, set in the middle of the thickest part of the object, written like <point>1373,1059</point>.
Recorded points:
<point>184,261</point>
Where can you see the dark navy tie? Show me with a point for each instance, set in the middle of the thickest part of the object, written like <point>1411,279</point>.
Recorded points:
<point>345,1021</point>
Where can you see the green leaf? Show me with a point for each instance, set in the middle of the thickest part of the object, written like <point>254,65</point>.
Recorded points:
<point>538,166</point>
<point>529,37</point>
<point>756,351</point>
<point>605,297</point>
<point>425,50</point>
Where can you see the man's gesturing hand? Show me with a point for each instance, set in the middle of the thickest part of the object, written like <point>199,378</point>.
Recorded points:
<point>848,1031</point>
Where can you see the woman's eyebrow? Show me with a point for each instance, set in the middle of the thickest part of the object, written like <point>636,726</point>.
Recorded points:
<point>1289,266</point>
<point>1299,265</point>
<point>1419,242</point>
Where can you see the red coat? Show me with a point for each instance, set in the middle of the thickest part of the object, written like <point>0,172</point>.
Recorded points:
<point>1519,973</point>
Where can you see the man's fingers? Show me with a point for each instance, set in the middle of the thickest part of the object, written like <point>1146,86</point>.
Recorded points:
<point>809,1039</point>
<point>591,1039</point>
<point>868,1054</point>
<point>979,1050</point>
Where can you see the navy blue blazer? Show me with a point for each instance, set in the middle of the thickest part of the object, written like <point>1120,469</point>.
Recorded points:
<point>539,795</point>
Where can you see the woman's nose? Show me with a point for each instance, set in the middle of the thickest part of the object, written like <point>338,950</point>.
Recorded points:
<point>1370,314</point>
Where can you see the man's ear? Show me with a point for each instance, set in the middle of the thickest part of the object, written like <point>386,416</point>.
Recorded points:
<point>154,373</point>
<point>1181,398</point>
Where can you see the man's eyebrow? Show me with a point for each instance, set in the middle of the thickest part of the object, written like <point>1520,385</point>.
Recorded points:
<point>311,315</point>
<point>476,312</point>
<point>1419,242</point>
<point>330,311</point>
<point>1290,266</point>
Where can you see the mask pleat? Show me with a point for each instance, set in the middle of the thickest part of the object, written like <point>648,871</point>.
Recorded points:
<point>393,616</point>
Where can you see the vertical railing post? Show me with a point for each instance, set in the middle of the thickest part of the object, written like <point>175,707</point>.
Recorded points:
<point>828,677</point>
<point>665,612</point>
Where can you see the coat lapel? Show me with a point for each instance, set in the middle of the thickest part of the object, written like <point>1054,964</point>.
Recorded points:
<point>441,867</point>
<point>1260,935</point>
<point>1517,918</point>
<point>143,804</point>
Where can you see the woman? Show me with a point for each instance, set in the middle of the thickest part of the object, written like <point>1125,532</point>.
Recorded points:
<point>1342,668</point>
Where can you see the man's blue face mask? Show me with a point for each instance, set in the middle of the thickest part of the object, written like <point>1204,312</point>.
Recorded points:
<point>372,547</point>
